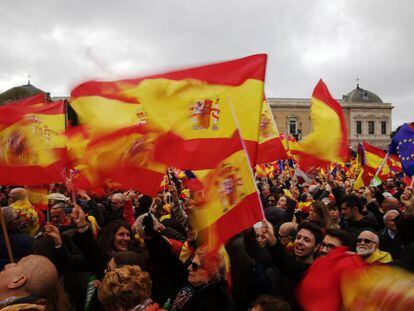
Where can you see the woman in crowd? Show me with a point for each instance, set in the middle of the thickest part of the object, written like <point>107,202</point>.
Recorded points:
<point>320,216</point>
<point>207,288</point>
<point>127,288</point>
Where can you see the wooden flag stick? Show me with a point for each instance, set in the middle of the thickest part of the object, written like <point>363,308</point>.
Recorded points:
<point>6,236</point>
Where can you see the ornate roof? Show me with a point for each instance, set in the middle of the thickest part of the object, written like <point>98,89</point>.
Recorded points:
<point>360,95</point>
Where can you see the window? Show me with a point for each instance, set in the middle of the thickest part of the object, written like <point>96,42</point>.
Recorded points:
<point>359,127</point>
<point>371,127</point>
<point>383,127</point>
<point>292,126</point>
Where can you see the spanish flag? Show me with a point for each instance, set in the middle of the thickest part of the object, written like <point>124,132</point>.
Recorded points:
<point>230,203</point>
<point>373,160</point>
<point>123,158</point>
<point>33,101</point>
<point>328,141</point>
<point>270,144</point>
<point>33,145</point>
<point>190,106</point>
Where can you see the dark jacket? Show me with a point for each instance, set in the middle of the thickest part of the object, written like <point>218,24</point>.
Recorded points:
<point>405,229</point>
<point>210,297</point>
<point>21,244</point>
<point>357,226</point>
<point>291,269</point>
<point>388,244</point>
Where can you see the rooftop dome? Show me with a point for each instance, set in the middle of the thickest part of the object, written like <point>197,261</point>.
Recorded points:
<point>19,92</point>
<point>362,96</point>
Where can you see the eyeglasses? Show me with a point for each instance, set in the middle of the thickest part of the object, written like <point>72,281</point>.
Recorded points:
<point>195,266</point>
<point>328,246</point>
<point>366,241</point>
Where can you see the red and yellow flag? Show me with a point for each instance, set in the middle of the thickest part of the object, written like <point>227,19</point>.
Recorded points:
<point>33,145</point>
<point>270,144</point>
<point>33,101</point>
<point>123,158</point>
<point>230,202</point>
<point>190,106</point>
<point>328,141</point>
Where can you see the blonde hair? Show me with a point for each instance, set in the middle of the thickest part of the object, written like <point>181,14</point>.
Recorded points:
<point>124,288</point>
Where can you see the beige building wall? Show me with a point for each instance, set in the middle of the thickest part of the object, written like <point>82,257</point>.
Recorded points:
<point>291,113</point>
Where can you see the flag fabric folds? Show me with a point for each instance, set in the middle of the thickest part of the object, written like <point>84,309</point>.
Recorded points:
<point>270,144</point>
<point>328,141</point>
<point>122,159</point>
<point>33,145</point>
<point>230,202</point>
<point>190,106</point>
<point>328,274</point>
<point>403,145</point>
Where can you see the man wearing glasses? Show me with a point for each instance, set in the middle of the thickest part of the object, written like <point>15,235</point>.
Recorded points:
<point>367,247</point>
<point>334,238</point>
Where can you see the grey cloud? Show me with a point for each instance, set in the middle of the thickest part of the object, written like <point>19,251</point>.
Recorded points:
<point>62,43</point>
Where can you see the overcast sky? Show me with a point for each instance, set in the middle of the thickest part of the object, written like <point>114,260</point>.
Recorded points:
<point>63,43</point>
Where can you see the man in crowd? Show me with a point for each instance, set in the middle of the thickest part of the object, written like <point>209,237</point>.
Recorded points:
<point>334,238</point>
<point>389,242</point>
<point>18,199</point>
<point>352,210</point>
<point>28,281</point>
<point>368,248</point>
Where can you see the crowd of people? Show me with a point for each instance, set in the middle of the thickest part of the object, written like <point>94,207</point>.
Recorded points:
<point>129,251</point>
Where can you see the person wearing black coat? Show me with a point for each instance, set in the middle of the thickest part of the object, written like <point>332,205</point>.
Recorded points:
<point>201,287</point>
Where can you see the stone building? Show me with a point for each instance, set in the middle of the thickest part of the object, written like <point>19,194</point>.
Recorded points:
<point>367,116</point>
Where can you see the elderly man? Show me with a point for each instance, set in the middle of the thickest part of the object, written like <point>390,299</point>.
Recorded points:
<point>389,241</point>
<point>368,248</point>
<point>287,234</point>
<point>28,216</point>
<point>31,279</point>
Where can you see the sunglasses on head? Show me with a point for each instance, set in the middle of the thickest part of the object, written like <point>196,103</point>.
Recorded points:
<point>366,241</point>
<point>195,266</point>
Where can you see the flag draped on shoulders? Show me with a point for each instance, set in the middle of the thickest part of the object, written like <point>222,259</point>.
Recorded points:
<point>328,141</point>
<point>190,106</point>
<point>402,145</point>
<point>33,144</point>
<point>270,144</point>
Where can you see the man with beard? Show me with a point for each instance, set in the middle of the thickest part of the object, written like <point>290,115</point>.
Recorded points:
<point>367,247</point>
<point>292,267</point>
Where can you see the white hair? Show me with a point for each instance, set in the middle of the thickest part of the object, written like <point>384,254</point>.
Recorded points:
<point>393,211</point>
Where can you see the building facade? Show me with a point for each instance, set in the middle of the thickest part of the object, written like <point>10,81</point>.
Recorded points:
<point>367,117</point>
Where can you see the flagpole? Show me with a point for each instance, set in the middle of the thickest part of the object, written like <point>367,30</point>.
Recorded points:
<point>236,123</point>
<point>6,237</point>
<point>380,167</point>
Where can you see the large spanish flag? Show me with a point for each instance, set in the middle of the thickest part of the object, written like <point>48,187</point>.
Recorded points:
<point>123,158</point>
<point>230,203</point>
<point>33,145</point>
<point>270,144</point>
<point>192,107</point>
<point>328,141</point>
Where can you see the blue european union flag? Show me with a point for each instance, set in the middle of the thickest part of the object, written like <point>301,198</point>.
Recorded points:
<point>403,145</point>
